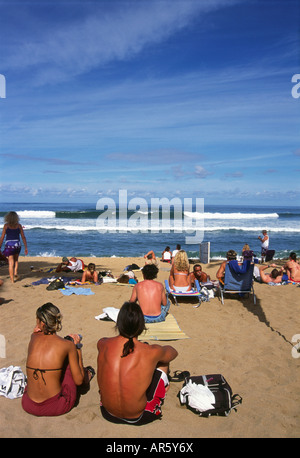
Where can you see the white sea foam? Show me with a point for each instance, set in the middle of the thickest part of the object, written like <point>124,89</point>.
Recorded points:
<point>238,216</point>
<point>158,228</point>
<point>36,214</point>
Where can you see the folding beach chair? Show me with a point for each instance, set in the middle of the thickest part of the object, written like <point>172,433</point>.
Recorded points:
<point>196,292</point>
<point>234,282</point>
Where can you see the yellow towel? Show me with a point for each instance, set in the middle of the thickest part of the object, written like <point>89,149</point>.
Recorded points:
<point>165,330</point>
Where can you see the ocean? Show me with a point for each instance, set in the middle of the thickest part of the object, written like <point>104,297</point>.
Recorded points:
<point>73,230</point>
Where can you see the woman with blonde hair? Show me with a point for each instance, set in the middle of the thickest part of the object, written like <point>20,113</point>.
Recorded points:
<point>54,366</point>
<point>12,230</point>
<point>179,279</point>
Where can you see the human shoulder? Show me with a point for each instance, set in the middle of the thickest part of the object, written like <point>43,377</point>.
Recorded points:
<point>104,340</point>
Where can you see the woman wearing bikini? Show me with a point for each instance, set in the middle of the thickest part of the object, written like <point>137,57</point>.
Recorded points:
<point>90,275</point>
<point>293,268</point>
<point>54,367</point>
<point>179,279</point>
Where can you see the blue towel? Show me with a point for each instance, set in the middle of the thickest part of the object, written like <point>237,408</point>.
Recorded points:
<point>234,265</point>
<point>78,291</point>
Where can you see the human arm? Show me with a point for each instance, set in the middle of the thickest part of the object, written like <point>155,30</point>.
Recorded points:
<point>163,296</point>
<point>151,252</point>
<point>134,295</point>
<point>166,354</point>
<point>220,273</point>
<point>75,360</point>
<point>3,234</point>
<point>24,239</point>
<point>171,277</point>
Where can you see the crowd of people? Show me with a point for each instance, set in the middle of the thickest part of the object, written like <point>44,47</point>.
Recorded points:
<point>132,376</point>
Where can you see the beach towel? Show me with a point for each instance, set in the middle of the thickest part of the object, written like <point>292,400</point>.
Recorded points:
<point>46,281</point>
<point>235,267</point>
<point>164,330</point>
<point>69,290</point>
<point>109,314</point>
<point>12,382</point>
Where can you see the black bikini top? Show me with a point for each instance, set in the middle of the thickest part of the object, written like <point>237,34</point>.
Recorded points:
<point>42,371</point>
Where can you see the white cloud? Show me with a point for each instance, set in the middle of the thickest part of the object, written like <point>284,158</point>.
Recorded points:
<point>66,50</point>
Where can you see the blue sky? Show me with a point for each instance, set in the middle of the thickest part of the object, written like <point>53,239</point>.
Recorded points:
<point>188,98</point>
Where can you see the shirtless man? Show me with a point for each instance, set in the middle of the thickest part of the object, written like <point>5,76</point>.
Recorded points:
<point>132,376</point>
<point>151,296</point>
<point>230,256</point>
<point>274,277</point>
<point>293,268</point>
<point>197,274</point>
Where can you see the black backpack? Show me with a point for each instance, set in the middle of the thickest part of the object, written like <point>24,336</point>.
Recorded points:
<point>225,401</point>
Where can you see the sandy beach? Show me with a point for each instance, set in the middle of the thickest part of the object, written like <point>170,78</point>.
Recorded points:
<point>249,344</point>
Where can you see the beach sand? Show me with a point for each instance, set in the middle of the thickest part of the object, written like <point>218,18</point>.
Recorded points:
<point>249,344</point>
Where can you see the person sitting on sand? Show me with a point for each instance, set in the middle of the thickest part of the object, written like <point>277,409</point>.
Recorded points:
<point>166,255</point>
<point>151,296</point>
<point>199,275</point>
<point>179,279</point>
<point>274,277</point>
<point>72,265</point>
<point>132,375</point>
<point>54,367</point>
<point>12,230</point>
<point>293,268</point>
<point>178,247</point>
<point>90,275</point>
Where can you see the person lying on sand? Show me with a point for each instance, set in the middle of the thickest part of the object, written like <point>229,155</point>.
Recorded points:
<point>54,367</point>
<point>132,375</point>
<point>199,275</point>
<point>70,265</point>
<point>151,296</point>
<point>274,277</point>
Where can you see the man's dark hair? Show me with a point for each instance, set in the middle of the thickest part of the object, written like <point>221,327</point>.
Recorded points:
<point>275,273</point>
<point>130,324</point>
<point>231,254</point>
<point>150,271</point>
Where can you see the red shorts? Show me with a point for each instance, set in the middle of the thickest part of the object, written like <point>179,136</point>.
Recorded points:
<point>155,397</point>
<point>57,405</point>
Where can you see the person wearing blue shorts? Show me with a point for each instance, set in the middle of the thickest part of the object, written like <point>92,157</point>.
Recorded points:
<point>151,296</point>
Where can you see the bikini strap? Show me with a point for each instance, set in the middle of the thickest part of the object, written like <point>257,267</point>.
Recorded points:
<point>42,371</point>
